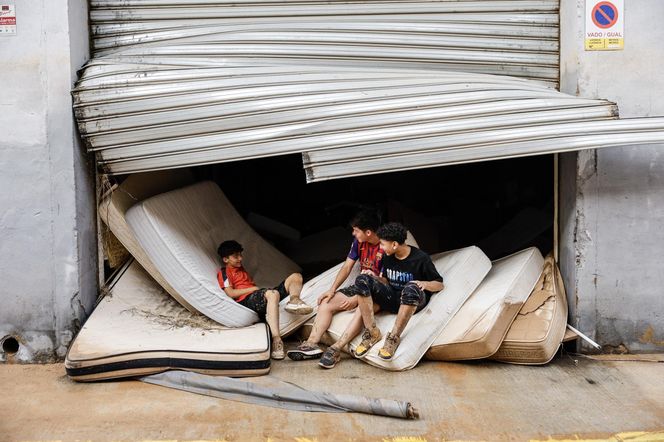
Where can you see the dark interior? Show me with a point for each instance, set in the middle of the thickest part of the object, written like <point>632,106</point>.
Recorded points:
<point>501,206</point>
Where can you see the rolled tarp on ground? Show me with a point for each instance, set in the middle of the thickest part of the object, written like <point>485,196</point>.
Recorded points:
<point>280,394</point>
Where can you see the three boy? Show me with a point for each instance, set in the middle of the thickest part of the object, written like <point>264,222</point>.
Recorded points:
<point>394,277</point>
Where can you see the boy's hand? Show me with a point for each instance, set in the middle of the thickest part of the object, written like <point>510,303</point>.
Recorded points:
<point>368,272</point>
<point>326,296</point>
<point>421,284</point>
<point>345,303</point>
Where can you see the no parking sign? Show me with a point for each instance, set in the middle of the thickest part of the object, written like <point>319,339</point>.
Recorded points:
<point>604,25</point>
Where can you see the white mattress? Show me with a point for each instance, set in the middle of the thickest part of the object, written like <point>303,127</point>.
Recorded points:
<point>134,188</point>
<point>180,232</point>
<point>139,329</point>
<point>478,328</point>
<point>462,270</point>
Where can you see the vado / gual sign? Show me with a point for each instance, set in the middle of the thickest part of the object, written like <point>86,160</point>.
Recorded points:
<point>605,25</point>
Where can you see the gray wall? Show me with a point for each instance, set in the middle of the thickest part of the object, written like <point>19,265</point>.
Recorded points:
<point>47,219</point>
<point>612,200</point>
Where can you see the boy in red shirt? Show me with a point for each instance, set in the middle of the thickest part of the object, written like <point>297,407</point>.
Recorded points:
<point>365,249</point>
<point>237,284</point>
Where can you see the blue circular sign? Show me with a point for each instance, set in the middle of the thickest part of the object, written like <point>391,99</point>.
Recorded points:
<point>605,15</point>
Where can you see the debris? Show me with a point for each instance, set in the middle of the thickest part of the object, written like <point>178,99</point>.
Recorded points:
<point>272,392</point>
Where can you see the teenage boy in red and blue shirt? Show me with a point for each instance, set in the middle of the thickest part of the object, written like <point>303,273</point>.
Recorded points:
<point>367,250</point>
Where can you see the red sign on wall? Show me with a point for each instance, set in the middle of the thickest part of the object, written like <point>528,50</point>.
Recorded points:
<point>7,20</point>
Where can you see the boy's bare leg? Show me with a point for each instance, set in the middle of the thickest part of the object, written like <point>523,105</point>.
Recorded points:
<point>333,354</point>
<point>393,338</point>
<point>272,316</point>
<point>403,316</point>
<point>366,307</point>
<point>294,285</point>
<point>353,329</point>
<point>325,313</point>
<point>372,333</point>
<point>295,305</point>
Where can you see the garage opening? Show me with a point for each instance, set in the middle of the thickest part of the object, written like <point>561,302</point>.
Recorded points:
<point>501,206</point>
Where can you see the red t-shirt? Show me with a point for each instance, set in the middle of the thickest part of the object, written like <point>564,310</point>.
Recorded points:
<point>235,278</point>
<point>369,255</point>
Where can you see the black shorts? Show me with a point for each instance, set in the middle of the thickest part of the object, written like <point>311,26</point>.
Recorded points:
<point>387,297</point>
<point>257,302</point>
<point>349,291</point>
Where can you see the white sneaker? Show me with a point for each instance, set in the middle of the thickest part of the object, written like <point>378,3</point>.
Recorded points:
<point>298,307</point>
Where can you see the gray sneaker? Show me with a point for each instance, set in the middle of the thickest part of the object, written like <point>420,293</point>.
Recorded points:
<point>330,358</point>
<point>305,351</point>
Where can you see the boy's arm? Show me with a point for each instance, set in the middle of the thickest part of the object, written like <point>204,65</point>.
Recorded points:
<point>236,293</point>
<point>434,282</point>
<point>430,286</point>
<point>343,273</point>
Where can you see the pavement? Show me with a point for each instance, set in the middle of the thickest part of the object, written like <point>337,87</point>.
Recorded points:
<point>572,398</point>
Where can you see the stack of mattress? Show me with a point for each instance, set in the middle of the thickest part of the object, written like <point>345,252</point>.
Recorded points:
<point>173,228</point>
<point>479,327</point>
<point>539,328</point>
<point>139,329</point>
<point>463,270</point>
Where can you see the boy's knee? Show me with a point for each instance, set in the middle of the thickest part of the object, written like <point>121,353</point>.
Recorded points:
<point>364,283</point>
<point>271,295</point>
<point>412,294</point>
<point>296,277</point>
<point>325,307</point>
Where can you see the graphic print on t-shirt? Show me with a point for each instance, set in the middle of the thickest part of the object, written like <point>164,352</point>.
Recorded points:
<point>398,279</point>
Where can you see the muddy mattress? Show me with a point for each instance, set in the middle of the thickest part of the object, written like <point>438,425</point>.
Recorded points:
<point>478,329</point>
<point>139,329</point>
<point>539,328</point>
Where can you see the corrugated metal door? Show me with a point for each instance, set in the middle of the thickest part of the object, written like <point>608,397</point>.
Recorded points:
<point>357,87</point>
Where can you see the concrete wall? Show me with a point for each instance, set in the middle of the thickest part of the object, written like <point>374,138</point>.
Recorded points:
<point>612,200</point>
<point>47,219</point>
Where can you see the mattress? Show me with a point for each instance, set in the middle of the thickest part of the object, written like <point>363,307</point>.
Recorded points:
<point>463,270</point>
<point>180,231</point>
<point>539,328</point>
<point>139,329</point>
<point>133,189</point>
<point>480,325</point>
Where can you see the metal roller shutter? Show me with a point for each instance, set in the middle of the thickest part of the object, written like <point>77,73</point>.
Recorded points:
<point>357,87</point>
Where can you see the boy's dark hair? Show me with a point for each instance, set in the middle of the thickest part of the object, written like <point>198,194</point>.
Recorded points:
<point>228,248</point>
<point>392,232</point>
<point>366,220</point>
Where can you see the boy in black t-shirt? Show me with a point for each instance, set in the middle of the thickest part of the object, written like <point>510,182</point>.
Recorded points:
<point>404,287</point>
